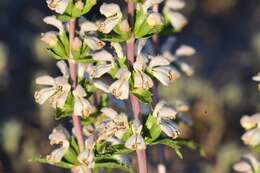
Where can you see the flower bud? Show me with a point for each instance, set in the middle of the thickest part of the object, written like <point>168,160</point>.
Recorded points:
<point>154,19</point>
<point>124,26</point>
<point>50,38</point>
<point>76,44</point>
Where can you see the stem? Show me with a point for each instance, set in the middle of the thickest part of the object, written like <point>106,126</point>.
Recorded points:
<point>141,155</point>
<point>161,168</point>
<point>73,67</point>
<point>73,77</point>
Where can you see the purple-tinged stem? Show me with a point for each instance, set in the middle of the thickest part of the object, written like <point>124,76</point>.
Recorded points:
<point>141,155</point>
<point>73,67</point>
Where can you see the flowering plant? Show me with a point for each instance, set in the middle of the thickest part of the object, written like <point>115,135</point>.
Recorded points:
<point>101,86</point>
<point>249,163</point>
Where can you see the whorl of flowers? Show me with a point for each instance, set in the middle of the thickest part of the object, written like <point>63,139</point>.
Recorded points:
<point>98,79</point>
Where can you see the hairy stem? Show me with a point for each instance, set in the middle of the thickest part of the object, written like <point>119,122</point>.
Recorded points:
<point>141,155</point>
<point>73,67</point>
<point>160,150</point>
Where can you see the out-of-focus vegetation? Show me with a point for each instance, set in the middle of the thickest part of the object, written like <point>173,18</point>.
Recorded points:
<point>226,34</point>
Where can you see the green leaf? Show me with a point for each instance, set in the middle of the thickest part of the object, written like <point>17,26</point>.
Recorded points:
<point>113,71</point>
<point>127,134</point>
<point>144,96</point>
<point>191,145</point>
<point>71,156</point>
<point>153,129</point>
<point>67,14</point>
<point>170,143</point>
<point>177,143</point>
<point>61,164</point>
<point>54,55</point>
<point>112,37</point>
<point>140,19</point>
<point>118,149</point>
<point>122,62</point>
<point>67,109</point>
<point>76,12</point>
<point>88,6</point>
<point>257,171</point>
<point>65,41</point>
<point>112,164</point>
<point>257,148</point>
<point>74,145</point>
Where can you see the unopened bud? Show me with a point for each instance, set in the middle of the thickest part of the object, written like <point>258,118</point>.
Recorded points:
<point>124,26</point>
<point>154,19</point>
<point>50,38</point>
<point>76,44</point>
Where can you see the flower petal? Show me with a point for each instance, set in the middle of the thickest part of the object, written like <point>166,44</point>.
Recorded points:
<point>158,61</point>
<point>103,55</point>
<point>52,20</point>
<point>185,50</point>
<point>45,80</point>
<point>63,68</point>
<point>111,113</point>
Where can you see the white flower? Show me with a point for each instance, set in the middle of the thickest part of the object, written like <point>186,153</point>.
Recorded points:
<point>120,88</point>
<point>59,136</point>
<point>175,4</point>
<point>80,169</point>
<point>177,20</point>
<point>52,20</point>
<point>185,50</point>
<point>248,164</point>
<point>118,48</point>
<point>82,107</point>
<point>87,29</point>
<point>113,14</point>
<point>58,6</point>
<point>58,88</point>
<point>93,43</point>
<point>252,137</point>
<point>162,70</point>
<point>105,63</point>
<point>88,26</point>
<point>101,85</point>
<point>249,122</point>
<point>141,80</point>
<point>149,3</point>
<point>164,116</point>
<point>136,141</point>
<point>120,121</point>
<point>257,78</point>
<point>186,68</point>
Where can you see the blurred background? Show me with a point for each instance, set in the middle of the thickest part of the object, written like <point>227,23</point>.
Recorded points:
<point>226,35</point>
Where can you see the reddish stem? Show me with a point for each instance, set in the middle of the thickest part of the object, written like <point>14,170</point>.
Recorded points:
<point>73,67</point>
<point>141,155</point>
<point>73,77</point>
